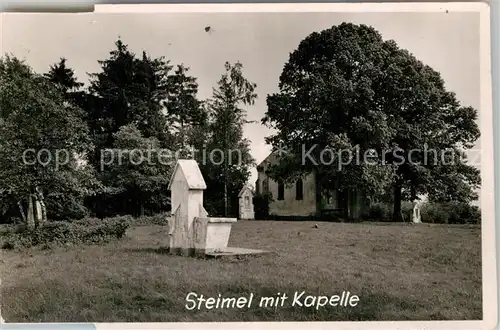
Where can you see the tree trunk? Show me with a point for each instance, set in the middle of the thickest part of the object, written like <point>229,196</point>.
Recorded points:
<point>182,137</point>
<point>413,193</point>
<point>41,202</point>
<point>345,204</point>
<point>396,214</point>
<point>225,195</point>
<point>31,216</point>
<point>38,211</point>
<point>35,210</point>
<point>141,207</point>
<point>21,210</point>
<point>413,198</point>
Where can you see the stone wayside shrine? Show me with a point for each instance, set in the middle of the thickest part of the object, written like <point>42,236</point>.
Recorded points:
<point>245,199</point>
<point>415,216</point>
<point>191,230</point>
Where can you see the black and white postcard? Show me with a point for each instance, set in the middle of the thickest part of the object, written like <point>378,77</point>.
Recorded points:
<point>301,163</point>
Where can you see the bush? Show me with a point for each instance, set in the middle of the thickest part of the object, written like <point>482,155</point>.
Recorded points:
<point>86,231</point>
<point>379,212</point>
<point>157,219</point>
<point>61,207</point>
<point>434,213</point>
<point>407,210</point>
<point>464,213</point>
<point>451,212</point>
<point>6,229</point>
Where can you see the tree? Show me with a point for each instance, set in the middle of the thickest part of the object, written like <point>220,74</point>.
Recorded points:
<point>431,126</point>
<point>361,109</point>
<point>139,171</point>
<point>184,111</point>
<point>64,77</point>
<point>143,92</point>
<point>454,180</point>
<point>227,160</point>
<point>60,74</point>
<point>128,90</point>
<point>41,138</point>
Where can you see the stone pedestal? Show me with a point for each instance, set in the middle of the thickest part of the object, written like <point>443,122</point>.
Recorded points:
<point>212,234</point>
<point>245,199</point>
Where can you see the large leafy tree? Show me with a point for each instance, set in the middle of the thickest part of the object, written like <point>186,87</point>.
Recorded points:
<point>361,110</point>
<point>37,126</point>
<point>66,205</point>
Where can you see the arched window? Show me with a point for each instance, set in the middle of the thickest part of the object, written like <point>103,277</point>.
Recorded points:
<point>257,187</point>
<point>281,190</point>
<point>299,190</point>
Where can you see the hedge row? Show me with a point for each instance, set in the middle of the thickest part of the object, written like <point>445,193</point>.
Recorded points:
<point>57,233</point>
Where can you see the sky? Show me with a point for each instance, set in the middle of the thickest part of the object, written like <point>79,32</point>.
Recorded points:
<point>262,42</point>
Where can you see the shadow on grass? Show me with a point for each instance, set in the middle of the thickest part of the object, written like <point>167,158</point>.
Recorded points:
<point>160,250</point>
<point>236,258</point>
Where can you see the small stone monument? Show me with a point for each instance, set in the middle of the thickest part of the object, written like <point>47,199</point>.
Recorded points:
<point>416,211</point>
<point>191,231</point>
<point>245,198</point>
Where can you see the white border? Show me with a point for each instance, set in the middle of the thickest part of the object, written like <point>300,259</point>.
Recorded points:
<point>295,7</point>
<point>489,280</point>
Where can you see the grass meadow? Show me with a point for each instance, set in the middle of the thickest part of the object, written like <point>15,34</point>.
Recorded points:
<point>399,272</point>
